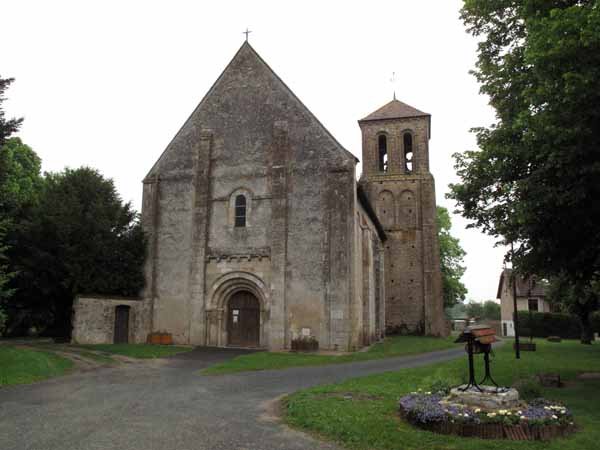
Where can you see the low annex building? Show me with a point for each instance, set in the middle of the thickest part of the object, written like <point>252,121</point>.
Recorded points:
<point>260,235</point>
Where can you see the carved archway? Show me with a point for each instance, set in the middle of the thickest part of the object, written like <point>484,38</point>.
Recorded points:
<point>219,314</point>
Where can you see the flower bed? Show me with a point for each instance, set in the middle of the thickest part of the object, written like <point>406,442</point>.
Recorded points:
<point>537,420</point>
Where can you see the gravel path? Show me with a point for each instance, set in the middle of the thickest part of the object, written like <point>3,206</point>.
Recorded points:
<point>166,405</point>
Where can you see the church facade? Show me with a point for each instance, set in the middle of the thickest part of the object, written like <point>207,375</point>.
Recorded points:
<point>260,236</point>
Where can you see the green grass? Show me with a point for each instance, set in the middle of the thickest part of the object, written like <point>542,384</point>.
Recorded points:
<point>22,365</point>
<point>142,351</point>
<point>368,419</point>
<point>392,346</point>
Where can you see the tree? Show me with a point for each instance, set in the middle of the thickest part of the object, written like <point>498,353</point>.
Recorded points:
<point>451,257</point>
<point>580,299</point>
<point>20,186</point>
<point>7,126</point>
<point>5,276</point>
<point>82,239</point>
<point>491,310</point>
<point>534,180</point>
<point>20,179</point>
<point>475,309</point>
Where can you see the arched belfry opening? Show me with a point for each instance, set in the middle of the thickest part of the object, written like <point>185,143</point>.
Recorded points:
<point>243,320</point>
<point>383,153</point>
<point>408,152</point>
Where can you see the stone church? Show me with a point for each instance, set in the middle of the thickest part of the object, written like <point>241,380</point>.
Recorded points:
<point>260,235</point>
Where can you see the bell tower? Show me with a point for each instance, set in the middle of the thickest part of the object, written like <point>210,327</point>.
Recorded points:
<point>396,177</point>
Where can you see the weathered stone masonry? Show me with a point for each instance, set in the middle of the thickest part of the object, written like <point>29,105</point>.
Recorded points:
<point>405,201</point>
<point>260,236</point>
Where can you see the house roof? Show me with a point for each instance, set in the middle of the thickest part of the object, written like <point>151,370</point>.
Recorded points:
<point>394,110</point>
<point>527,286</point>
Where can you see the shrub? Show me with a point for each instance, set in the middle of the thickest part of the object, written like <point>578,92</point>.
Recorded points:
<point>3,319</point>
<point>528,388</point>
<point>542,325</point>
<point>438,384</point>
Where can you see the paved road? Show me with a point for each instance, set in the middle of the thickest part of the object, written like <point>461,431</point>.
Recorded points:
<point>166,405</point>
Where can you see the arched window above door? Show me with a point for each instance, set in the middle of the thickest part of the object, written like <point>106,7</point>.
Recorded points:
<point>240,211</point>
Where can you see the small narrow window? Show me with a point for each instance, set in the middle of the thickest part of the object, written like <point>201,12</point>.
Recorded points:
<point>383,156</point>
<point>240,211</point>
<point>408,152</point>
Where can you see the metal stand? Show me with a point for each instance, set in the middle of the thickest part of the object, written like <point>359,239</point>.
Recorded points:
<point>488,375</point>
<point>472,382</point>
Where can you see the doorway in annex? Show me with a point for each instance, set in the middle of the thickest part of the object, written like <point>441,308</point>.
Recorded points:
<point>243,320</point>
<point>121,335</point>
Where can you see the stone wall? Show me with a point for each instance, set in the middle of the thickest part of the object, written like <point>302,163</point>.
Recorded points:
<point>94,319</point>
<point>251,136</point>
<point>368,279</point>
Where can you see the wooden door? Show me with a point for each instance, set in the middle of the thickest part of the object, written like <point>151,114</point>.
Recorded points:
<point>121,324</point>
<point>243,320</point>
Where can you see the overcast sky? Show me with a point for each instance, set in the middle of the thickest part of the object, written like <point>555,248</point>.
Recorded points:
<point>107,84</point>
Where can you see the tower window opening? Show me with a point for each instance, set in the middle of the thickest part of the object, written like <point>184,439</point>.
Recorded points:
<point>383,154</point>
<point>240,211</point>
<point>408,152</point>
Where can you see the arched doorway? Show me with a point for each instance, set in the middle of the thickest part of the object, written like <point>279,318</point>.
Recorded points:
<point>121,324</point>
<point>243,320</point>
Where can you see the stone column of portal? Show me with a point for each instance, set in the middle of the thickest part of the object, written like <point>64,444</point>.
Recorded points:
<point>278,178</point>
<point>200,227</point>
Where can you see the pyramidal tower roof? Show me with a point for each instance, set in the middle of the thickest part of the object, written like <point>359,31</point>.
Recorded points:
<point>394,110</point>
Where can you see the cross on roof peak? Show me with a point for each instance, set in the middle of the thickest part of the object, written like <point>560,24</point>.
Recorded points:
<point>247,32</point>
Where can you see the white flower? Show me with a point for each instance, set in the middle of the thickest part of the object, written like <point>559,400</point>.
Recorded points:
<point>477,410</point>
<point>491,414</point>
<point>466,415</point>
<point>554,417</point>
<point>519,412</point>
<point>428,393</point>
<point>523,418</point>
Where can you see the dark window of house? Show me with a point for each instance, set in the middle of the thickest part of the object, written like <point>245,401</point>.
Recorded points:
<point>240,211</point>
<point>383,156</point>
<point>408,152</point>
<point>533,304</point>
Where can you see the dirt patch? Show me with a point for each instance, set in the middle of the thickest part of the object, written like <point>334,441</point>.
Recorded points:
<point>272,410</point>
<point>589,376</point>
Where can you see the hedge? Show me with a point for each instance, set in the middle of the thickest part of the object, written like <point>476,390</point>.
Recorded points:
<point>542,325</point>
